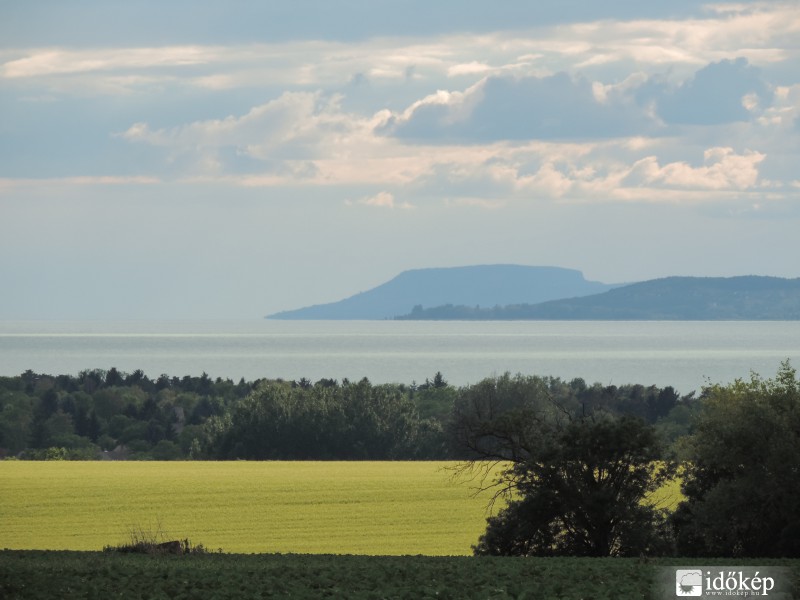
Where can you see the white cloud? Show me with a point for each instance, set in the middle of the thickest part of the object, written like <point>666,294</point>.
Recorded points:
<point>46,62</point>
<point>518,108</point>
<point>306,139</point>
<point>758,31</point>
<point>381,200</point>
<point>481,203</point>
<point>502,136</point>
<point>291,64</point>
<point>471,68</point>
<point>280,120</point>
<point>9,183</point>
<point>602,172</point>
<point>785,110</point>
<point>762,32</point>
<point>290,132</point>
<point>724,170</point>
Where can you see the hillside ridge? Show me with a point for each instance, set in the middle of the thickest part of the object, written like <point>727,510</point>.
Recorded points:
<point>477,285</point>
<point>748,297</point>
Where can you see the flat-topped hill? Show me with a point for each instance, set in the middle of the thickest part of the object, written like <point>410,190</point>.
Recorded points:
<point>482,285</point>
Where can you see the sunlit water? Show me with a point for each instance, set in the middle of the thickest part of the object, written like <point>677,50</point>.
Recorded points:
<point>686,355</point>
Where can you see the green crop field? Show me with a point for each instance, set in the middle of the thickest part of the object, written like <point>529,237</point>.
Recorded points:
<point>379,508</point>
<point>37,575</point>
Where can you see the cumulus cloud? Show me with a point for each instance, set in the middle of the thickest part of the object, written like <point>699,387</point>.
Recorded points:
<point>278,121</point>
<point>511,127</point>
<point>723,170</point>
<point>561,106</point>
<point>785,109</point>
<point>308,139</point>
<point>285,135</point>
<point>610,171</point>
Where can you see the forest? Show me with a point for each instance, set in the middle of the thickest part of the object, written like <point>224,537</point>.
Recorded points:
<point>108,414</point>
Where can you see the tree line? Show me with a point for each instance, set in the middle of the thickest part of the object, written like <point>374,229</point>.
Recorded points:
<point>101,413</point>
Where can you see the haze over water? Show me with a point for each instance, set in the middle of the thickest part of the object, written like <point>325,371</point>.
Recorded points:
<point>685,355</point>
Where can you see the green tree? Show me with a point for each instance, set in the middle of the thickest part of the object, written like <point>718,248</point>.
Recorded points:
<point>16,417</point>
<point>576,480</point>
<point>742,479</point>
<point>166,450</point>
<point>55,453</point>
<point>195,450</point>
<point>351,421</point>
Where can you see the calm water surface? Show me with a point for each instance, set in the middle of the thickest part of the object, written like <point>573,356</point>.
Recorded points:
<point>685,355</point>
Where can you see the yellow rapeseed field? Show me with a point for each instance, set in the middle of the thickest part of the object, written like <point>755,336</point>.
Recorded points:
<point>304,507</point>
<point>391,508</point>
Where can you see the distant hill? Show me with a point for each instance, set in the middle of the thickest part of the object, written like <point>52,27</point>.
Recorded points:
<point>483,285</point>
<point>672,298</point>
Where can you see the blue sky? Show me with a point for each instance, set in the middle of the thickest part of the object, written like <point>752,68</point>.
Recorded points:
<point>228,160</point>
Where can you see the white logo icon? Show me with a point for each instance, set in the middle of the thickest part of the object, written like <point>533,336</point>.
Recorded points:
<point>688,583</point>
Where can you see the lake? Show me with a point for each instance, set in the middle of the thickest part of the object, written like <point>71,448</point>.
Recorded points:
<point>686,355</point>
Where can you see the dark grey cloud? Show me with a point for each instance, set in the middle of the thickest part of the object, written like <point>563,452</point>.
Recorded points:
<point>562,107</point>
<point>507,108</point>
<point>714,95</point>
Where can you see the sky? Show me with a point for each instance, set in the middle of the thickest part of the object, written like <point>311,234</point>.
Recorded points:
<point>197,159</point>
